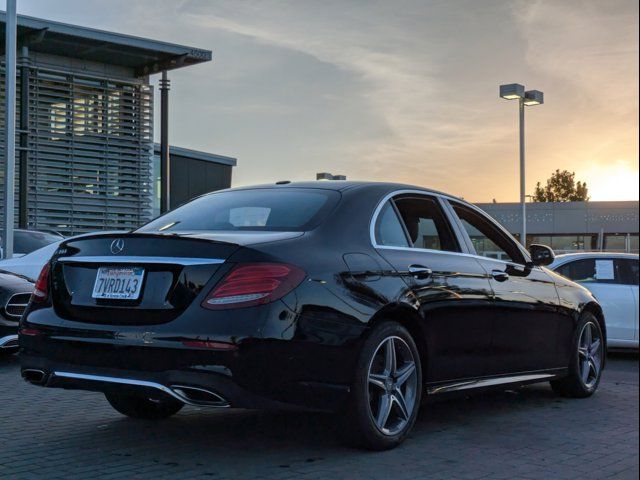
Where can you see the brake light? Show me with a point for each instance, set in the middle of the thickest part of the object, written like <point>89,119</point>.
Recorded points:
<point>41,290</point>
<point>210,345</point>
<point>250,284</point>
<point>30,332</point>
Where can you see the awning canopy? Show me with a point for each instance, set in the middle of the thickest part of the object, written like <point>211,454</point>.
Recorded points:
<point>143,55</point>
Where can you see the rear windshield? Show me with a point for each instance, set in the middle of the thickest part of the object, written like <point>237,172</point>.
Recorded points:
<point>288,209</point>
<point>28,241</point>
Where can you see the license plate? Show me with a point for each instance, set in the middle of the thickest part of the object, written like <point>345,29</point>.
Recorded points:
<point>118,283</point>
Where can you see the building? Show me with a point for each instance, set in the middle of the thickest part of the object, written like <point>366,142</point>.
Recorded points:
<point>573,226</point>
<point>192,173</point>
<point>84,140</point>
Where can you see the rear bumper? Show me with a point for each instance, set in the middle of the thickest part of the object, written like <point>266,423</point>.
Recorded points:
<point>255,376</point>
<point>191,388</point>
<point>258,357</point>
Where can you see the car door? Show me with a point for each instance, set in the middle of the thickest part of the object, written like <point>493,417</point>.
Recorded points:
<point>611,284</point>
<point>631,275</point>
<point>452,291</point>
<point>529,332</point>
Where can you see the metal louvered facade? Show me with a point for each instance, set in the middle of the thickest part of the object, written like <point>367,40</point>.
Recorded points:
<point>90,147</point>
<point>84,135</point>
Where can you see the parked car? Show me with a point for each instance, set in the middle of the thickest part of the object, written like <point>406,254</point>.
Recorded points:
<point>31,264</point>
<point>356,298</point>
<point>27,241</point>
<point>612,278</point>
<point>15,291</point>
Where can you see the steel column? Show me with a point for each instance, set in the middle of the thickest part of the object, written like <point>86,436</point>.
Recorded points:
<point>23,199</point>
<point>523,198</point>
<point>165,158</point>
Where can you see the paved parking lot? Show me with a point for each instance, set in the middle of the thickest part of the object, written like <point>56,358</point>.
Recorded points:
<point>529,434</point>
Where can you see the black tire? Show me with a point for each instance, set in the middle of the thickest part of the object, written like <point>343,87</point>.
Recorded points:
<point>579,384</point>
<point>143,407</point>
<point>359,423</point>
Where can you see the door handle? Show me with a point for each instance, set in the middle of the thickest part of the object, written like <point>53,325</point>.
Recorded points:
<point>499,275</point>
<point>419,271</point>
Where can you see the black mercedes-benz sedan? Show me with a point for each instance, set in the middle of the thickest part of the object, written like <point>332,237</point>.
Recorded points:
<point>356,298</point>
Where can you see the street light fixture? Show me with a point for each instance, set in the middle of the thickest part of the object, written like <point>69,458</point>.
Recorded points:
<point>512,91</point>
<point>533,97</point>
<point>515,91</point>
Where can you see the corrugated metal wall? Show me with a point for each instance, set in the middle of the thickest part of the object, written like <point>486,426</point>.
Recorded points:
<point>191,178</point>
<point>90,151</point>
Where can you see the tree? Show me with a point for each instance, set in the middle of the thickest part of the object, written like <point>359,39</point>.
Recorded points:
<point>562,187</point>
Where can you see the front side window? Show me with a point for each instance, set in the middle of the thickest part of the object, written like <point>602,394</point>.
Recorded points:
<point>487,239</point>
<point>426,225</point>
<point>268,209</point>
<point>630,271</point>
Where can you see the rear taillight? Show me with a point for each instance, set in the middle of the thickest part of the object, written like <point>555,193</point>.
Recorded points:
<point>41,290</point>
<point>250,284</point>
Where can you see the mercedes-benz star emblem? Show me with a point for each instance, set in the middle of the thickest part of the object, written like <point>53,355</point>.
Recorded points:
<point>117,246</point>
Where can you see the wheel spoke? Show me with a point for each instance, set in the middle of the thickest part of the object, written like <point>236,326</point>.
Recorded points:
<point>384,409</point>
<point>593,366</point>
<point>405,373</point>
<point>595,346</point>
<point>398,399</point>
<point>584,371</point>
<point>583,353</point>
<point>390,356</point>
<point>587,335</point>
<point>377,380</point>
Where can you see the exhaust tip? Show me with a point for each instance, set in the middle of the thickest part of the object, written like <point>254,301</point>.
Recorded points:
<point>35,376</point>
<point>199,396</point>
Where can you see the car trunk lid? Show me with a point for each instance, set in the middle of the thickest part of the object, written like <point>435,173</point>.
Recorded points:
<point>173,270</point>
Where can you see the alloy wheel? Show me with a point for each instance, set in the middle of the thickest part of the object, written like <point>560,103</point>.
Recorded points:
<point>590,354</point>
<point>392,385</point>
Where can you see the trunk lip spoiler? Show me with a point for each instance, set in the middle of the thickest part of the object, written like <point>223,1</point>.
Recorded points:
<point>106,259</point>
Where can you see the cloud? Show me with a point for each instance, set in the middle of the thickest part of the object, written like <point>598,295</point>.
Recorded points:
<point>398,65</point>
<point>402,91</point>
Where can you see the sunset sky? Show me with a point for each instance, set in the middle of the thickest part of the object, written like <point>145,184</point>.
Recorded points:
<point>401,91</point>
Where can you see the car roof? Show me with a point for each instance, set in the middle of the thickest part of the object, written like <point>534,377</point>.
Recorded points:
<point>341,185</point>
<point>578,255</point>
<point>31,230</point>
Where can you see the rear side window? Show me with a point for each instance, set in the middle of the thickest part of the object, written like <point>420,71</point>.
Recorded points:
<point>593,270</point>
<point>389,231</point>
<point>268,209</point>
<point>426,224</point>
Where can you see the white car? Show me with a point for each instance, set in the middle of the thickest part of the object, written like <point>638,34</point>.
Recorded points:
<point>613,280</point>
<point>31,264</point>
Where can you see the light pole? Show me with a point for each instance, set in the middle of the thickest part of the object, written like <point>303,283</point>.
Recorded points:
<point>515,91</point>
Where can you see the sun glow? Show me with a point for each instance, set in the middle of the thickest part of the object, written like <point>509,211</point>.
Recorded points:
<point>616,181</point>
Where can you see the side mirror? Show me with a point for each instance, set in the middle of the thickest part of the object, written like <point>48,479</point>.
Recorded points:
<point>541,255</point>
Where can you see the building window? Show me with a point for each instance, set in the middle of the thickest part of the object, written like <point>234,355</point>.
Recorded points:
<point>615,243</point>
<point>564,243</point>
